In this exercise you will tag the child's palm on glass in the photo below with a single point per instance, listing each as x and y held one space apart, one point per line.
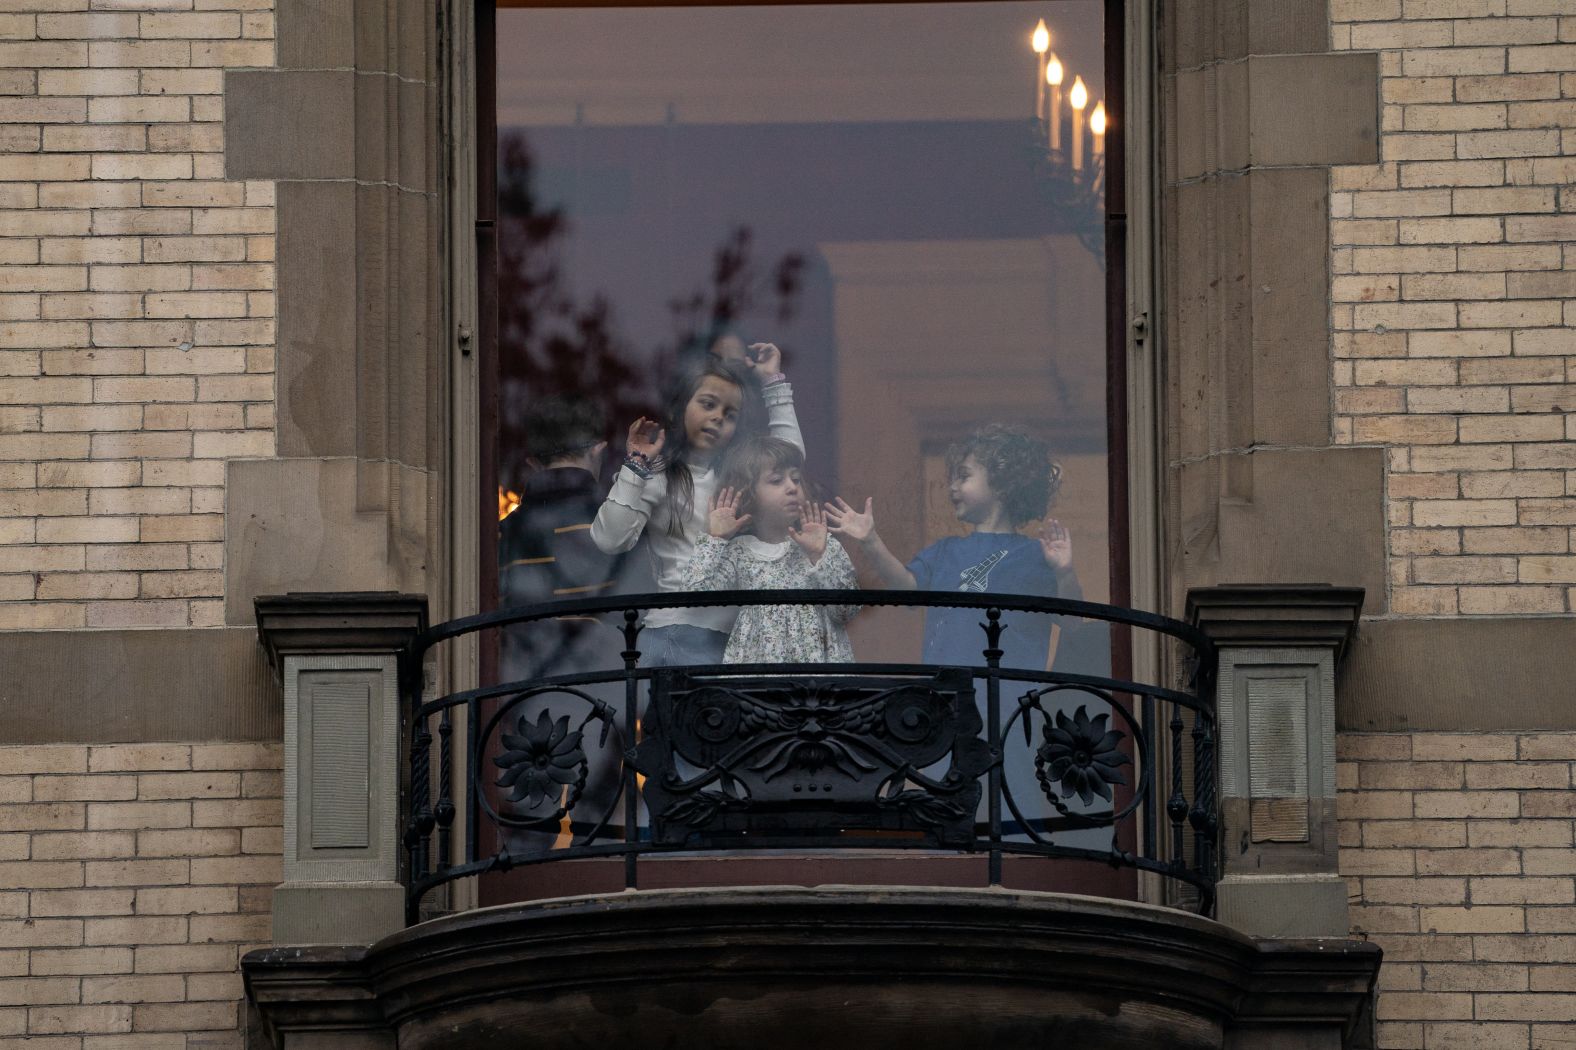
811 534
844 520
1056 543
725 521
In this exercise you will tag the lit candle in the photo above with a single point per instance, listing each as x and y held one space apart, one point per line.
1053 77
1079 99
1097 125
1041 41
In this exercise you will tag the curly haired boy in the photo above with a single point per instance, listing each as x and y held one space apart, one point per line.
1002 478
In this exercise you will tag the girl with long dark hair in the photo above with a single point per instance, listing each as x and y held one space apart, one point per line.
668 479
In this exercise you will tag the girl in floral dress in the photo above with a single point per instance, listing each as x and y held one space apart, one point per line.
667 480
786 547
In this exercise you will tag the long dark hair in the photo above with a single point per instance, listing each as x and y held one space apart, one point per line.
676 447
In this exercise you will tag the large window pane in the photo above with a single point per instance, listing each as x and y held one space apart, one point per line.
867 188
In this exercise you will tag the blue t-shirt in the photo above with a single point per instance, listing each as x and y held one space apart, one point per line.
985 562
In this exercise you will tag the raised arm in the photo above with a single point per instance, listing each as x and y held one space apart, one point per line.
624 514
781 420
855 526
636 492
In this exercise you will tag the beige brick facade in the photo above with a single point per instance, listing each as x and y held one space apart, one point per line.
136 308
132 878
137 356
1457 849
1454 299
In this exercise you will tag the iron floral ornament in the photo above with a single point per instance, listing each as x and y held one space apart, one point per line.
811 756
541 760
1083 755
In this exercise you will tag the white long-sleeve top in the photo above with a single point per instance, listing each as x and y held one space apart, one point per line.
636 502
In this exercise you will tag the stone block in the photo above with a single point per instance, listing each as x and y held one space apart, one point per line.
1314 109
1288 27
1289 292
1284 906
318 264
313 34
1297 522
1427 675
290 124
295 525
349 913
211 685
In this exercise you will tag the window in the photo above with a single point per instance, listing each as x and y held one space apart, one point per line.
896 196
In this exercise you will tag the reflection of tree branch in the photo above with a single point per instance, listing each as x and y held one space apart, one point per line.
548 342
551 342
737 287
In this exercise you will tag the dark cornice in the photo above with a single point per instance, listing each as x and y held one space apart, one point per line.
338 623
1313 614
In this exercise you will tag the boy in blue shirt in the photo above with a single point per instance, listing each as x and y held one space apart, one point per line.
1002 478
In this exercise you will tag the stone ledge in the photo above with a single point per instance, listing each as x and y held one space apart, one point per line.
830 966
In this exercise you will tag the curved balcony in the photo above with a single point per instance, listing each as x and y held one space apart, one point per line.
630 762
837 968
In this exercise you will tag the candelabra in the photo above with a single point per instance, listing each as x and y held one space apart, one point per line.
1067 148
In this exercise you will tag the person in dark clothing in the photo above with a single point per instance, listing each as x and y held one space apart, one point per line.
544 547
545 554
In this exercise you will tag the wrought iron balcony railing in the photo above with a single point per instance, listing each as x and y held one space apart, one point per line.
999 761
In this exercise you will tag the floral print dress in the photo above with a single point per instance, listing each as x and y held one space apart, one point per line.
777 633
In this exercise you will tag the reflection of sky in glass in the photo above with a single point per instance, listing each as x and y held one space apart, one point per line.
892 147
661 130
774 64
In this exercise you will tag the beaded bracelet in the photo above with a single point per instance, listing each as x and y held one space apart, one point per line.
774 379
639 462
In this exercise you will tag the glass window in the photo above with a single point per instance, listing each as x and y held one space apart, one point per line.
896 209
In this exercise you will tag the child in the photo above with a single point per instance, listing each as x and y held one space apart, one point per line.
1002 478
714 402
786 547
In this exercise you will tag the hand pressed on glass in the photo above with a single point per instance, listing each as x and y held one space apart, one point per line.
1056 543
811 532
844 521
859 527
725 521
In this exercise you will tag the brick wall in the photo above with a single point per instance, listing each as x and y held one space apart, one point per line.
136 307
1455 295
132 877
1458 852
